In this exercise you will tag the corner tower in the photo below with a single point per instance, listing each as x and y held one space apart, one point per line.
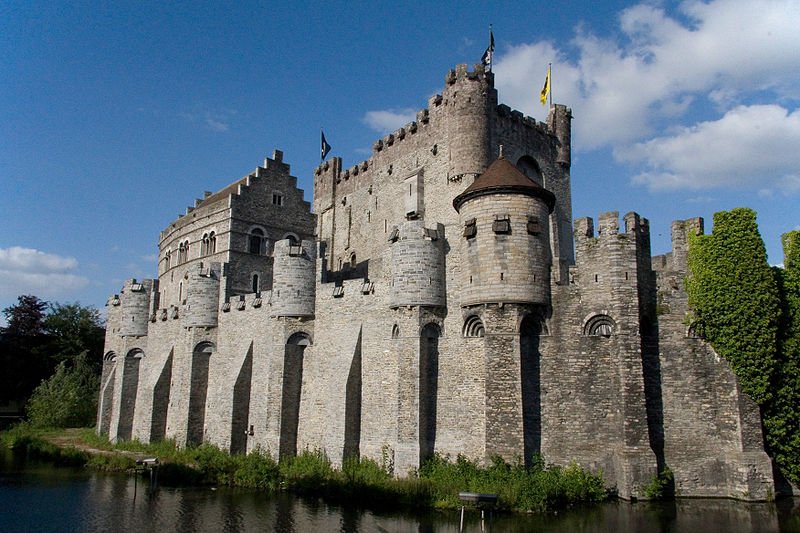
472 99
505 293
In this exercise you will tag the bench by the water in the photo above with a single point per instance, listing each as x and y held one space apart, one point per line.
481 500
149 464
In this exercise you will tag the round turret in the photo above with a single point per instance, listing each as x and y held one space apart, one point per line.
202 297
135 304
505 232
293 287
418 274
471 99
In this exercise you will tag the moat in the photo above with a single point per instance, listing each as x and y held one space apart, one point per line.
40 497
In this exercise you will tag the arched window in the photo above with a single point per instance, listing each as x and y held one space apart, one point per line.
528 166
473 327
395 331
167 258
353 261
256 284
212 243
293 240
256 242
599 326
204 244
185 250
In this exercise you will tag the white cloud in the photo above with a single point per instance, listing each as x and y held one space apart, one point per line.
216 124
29 271
214 119
622 88
749 147
388 120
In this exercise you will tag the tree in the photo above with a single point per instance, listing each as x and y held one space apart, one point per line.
23 359
39 336
26 318
74 329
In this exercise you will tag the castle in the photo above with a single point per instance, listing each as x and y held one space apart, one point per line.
438 298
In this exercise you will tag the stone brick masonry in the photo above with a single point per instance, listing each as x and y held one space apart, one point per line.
391 320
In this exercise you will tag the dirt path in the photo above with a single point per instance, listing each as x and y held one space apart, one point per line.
72 437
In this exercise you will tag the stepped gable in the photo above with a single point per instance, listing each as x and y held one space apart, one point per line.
503 177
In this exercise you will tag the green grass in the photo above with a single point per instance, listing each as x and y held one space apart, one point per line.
360 481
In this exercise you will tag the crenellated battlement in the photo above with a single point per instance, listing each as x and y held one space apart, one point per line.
130 310
454 112
520 125
608 226
676 259
462 74
254 302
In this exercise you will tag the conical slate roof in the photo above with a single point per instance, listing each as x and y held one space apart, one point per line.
503 177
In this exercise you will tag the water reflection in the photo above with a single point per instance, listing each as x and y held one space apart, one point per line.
37 497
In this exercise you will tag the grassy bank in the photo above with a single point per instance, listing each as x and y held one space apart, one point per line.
365 482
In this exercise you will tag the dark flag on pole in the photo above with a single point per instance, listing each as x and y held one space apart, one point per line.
487 55
324 147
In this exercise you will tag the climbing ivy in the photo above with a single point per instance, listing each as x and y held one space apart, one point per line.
734 298
782 415
750 313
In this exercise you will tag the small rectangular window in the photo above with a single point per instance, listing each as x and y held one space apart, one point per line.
277 199
470 228
502 225
534 228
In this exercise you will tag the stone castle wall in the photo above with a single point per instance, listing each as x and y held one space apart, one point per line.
379 326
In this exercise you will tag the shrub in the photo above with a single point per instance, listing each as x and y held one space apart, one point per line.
256 470
68 398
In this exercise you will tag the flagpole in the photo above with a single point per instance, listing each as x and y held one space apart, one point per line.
491 44
550 76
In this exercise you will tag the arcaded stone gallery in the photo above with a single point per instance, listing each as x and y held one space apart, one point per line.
436 298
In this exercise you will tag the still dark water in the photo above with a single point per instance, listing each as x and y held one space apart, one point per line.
37 497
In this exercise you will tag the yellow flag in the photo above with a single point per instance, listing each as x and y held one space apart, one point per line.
546 89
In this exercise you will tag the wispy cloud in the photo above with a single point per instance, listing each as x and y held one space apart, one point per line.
29 271
388 120
218 120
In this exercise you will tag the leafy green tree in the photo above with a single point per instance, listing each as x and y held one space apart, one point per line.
39 336
74 329
68 398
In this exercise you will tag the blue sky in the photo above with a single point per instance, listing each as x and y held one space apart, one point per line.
114 117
